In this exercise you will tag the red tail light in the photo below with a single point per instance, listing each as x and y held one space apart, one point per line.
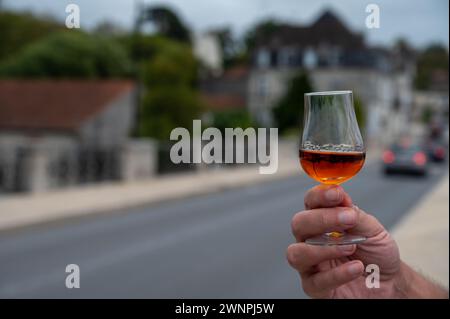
420 158
388 157
439 152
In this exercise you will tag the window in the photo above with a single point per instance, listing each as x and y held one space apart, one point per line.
310 59
263 58
262 86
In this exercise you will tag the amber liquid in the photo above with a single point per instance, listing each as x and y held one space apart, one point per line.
328 167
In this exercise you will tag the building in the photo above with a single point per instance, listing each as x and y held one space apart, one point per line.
207 49
68 132
336 58
227 91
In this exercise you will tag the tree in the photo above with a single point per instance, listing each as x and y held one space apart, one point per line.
288 113
20 29
232 118
109 28
427 114
165 108
69 54
168 63
233 52
260 31
433 58
170 99
360 113
167 23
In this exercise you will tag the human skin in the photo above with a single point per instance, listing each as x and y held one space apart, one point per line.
339 271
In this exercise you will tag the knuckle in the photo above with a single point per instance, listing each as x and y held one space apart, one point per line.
336 277
295 222
307 199
324 220
313 284
307 285
311 196
290 255
357 211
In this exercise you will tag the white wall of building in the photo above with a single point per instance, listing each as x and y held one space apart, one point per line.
386 97
111 127
207 49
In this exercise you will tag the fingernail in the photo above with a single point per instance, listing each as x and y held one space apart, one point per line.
346 248
354 269
346 217
332 195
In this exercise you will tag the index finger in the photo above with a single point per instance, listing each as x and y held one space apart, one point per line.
323 196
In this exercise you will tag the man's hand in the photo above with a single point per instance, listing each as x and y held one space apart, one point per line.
339 271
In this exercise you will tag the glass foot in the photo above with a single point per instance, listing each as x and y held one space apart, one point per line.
329 240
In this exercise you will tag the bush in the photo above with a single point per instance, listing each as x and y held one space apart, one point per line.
69 54
170 63
288 113
233 118
165 108
170 99
360 113
20 29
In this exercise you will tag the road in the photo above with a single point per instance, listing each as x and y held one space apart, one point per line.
224 245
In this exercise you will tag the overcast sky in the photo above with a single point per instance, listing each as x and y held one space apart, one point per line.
420 21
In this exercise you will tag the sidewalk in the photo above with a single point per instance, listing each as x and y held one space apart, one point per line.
423 235
25 209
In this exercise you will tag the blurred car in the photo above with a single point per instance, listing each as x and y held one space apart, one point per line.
436 150
406 159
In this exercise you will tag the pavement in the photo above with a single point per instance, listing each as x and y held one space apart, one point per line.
423 235
227 244
22 210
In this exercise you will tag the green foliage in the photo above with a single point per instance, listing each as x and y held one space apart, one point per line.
172 63
433 58
288 113
21 29
360 112
165 108
427 114
232 50
69 54
170 100
260 31
166 21
233 118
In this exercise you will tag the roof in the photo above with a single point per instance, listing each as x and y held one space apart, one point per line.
55 104
327 29
439 80
220 102
236 72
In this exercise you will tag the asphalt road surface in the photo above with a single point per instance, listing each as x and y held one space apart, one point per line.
224 245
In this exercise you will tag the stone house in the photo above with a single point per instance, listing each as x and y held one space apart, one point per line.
67 132
336 58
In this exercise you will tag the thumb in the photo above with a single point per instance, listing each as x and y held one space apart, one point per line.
366 225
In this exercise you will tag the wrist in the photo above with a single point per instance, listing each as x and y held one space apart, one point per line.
403 282
410 284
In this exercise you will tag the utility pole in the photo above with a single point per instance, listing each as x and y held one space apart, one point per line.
138 7
141 16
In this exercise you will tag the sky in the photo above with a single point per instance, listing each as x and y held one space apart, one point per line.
421 22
